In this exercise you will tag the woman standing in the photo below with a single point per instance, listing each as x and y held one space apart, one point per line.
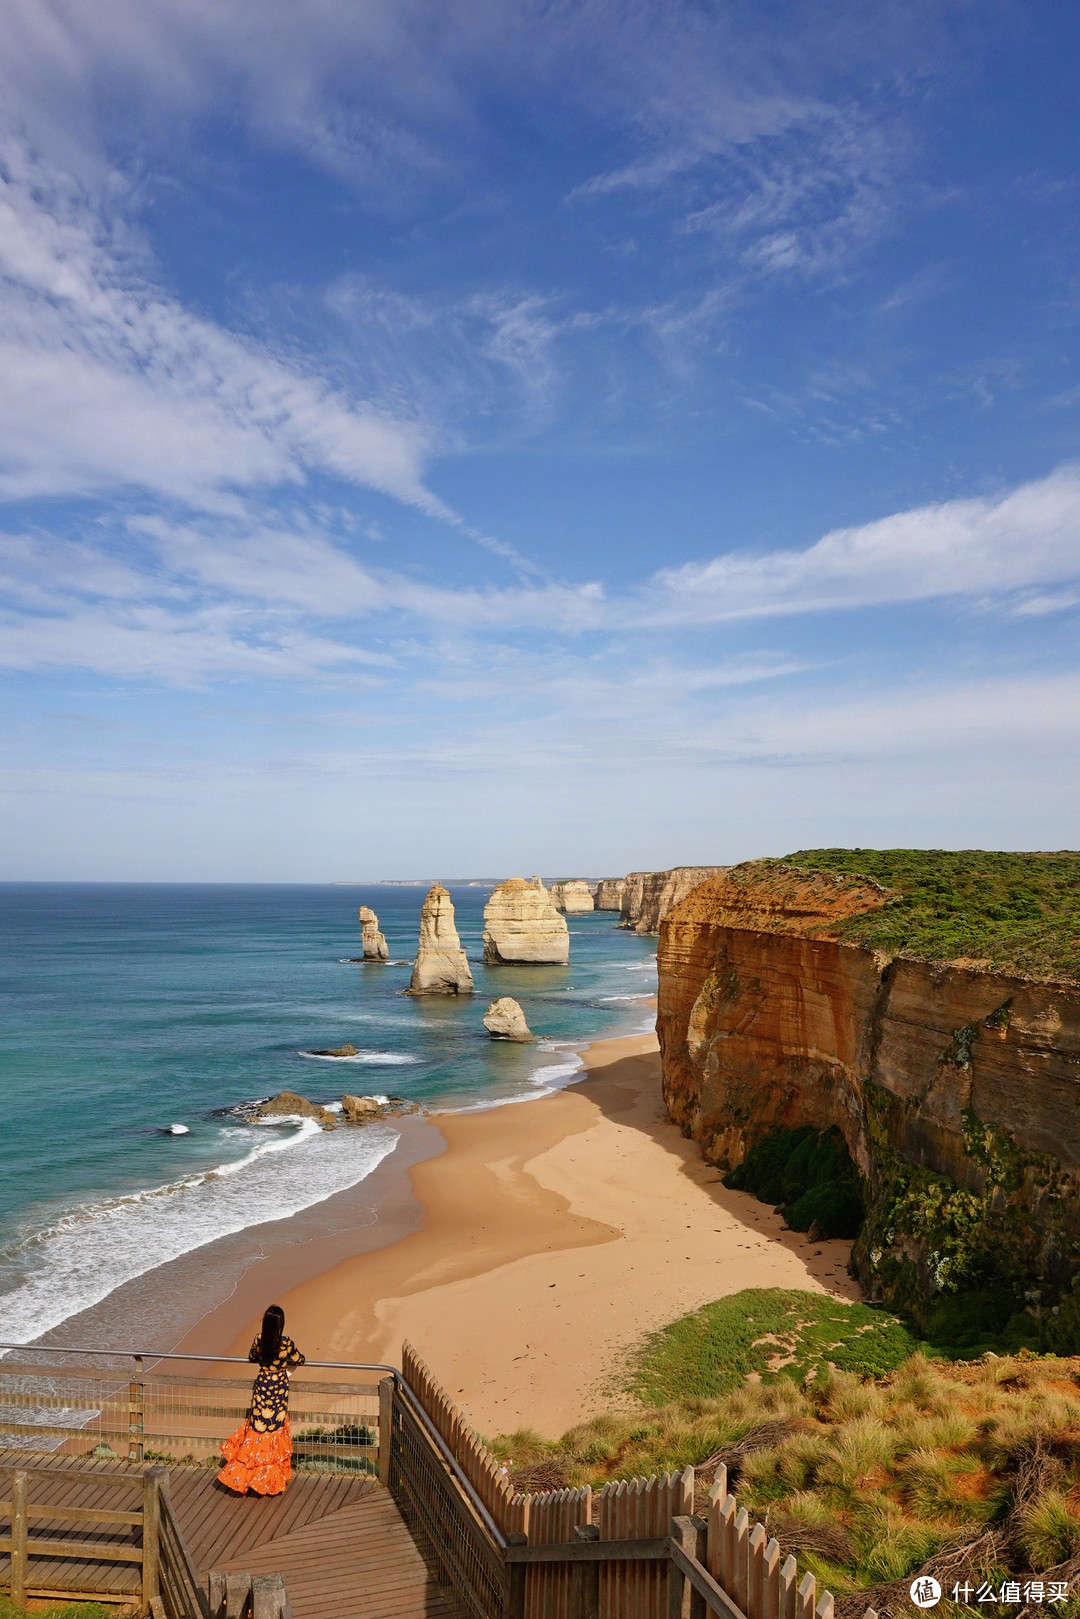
257 1455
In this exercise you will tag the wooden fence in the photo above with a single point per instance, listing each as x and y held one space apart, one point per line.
632 1550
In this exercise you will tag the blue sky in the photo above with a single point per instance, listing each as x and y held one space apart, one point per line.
486 437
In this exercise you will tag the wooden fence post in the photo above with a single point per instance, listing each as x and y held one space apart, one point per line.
18 1538
755 1581
684 1533
151 1533
584 1594
807 1595
237 1596
789 1596
515 1578
267 1596
386 1420
742 1550
770 1590
135 1413
215 1593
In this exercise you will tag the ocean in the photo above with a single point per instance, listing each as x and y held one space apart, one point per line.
134 1015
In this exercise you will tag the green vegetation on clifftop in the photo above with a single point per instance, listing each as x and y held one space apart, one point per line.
1017 911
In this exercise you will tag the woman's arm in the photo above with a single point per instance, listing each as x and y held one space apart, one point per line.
295 1358
253 1352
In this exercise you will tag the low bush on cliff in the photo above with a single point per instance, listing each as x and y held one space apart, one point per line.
973 1469
1010 910
809 1174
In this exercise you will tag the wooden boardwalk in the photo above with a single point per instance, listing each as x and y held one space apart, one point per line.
338 1540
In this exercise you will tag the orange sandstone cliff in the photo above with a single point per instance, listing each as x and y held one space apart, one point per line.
957 1090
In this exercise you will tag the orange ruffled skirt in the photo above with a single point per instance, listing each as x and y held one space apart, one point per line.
257 1461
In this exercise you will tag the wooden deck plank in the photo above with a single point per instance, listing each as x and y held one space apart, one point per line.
338 1540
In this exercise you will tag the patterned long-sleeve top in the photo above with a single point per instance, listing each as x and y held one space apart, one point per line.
270 1394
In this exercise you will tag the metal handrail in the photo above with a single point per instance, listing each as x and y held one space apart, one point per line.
447 1454
229 1360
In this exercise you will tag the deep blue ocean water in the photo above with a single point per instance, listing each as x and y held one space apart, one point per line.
127 1008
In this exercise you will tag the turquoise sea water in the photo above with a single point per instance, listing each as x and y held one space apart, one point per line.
127 1009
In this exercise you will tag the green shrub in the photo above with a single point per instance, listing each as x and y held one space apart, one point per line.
809 1174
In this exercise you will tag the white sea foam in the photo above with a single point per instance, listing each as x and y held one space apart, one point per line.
622 997
640 966
87 1252
389 1059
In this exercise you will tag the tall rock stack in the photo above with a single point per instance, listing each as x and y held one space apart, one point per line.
608 894
574 897
372 941
440 967
521 925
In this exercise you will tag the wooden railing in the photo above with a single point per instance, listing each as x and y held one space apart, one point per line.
632 1550
120 1544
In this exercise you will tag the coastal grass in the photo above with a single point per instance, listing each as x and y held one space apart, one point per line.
1011 911
862 1454
767 1332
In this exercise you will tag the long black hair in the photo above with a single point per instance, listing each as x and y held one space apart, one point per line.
273 1330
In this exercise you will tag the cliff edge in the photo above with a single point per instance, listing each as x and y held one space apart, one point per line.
792 998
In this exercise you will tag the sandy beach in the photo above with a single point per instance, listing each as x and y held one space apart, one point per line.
550 1235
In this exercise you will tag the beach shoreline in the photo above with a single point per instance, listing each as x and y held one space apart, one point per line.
521 1248
554 1234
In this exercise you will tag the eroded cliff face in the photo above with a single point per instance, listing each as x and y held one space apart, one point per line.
648 896
956 1089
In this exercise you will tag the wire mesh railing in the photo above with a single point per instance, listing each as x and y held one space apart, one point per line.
140 1412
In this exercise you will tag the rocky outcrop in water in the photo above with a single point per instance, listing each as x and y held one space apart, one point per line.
372 941
288 1104
608 894
574 897
956 1088
440 967
504 1020
368 1109
522 926
648 896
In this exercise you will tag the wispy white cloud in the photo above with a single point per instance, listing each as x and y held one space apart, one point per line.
112 384
982 548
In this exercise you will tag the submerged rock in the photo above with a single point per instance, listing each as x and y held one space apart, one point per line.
504 1020
288 1104
521 925
440 967
373 942
575 896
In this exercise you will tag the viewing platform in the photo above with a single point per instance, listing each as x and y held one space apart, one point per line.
396 1510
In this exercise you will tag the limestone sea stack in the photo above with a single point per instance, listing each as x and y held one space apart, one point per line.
574 897
372 941
521 925
608 894
440 967
504 1020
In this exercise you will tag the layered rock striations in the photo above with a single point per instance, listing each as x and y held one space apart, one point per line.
956 1088
522 926
648 896
504 1020
574 897
608 894
372 941
440 967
